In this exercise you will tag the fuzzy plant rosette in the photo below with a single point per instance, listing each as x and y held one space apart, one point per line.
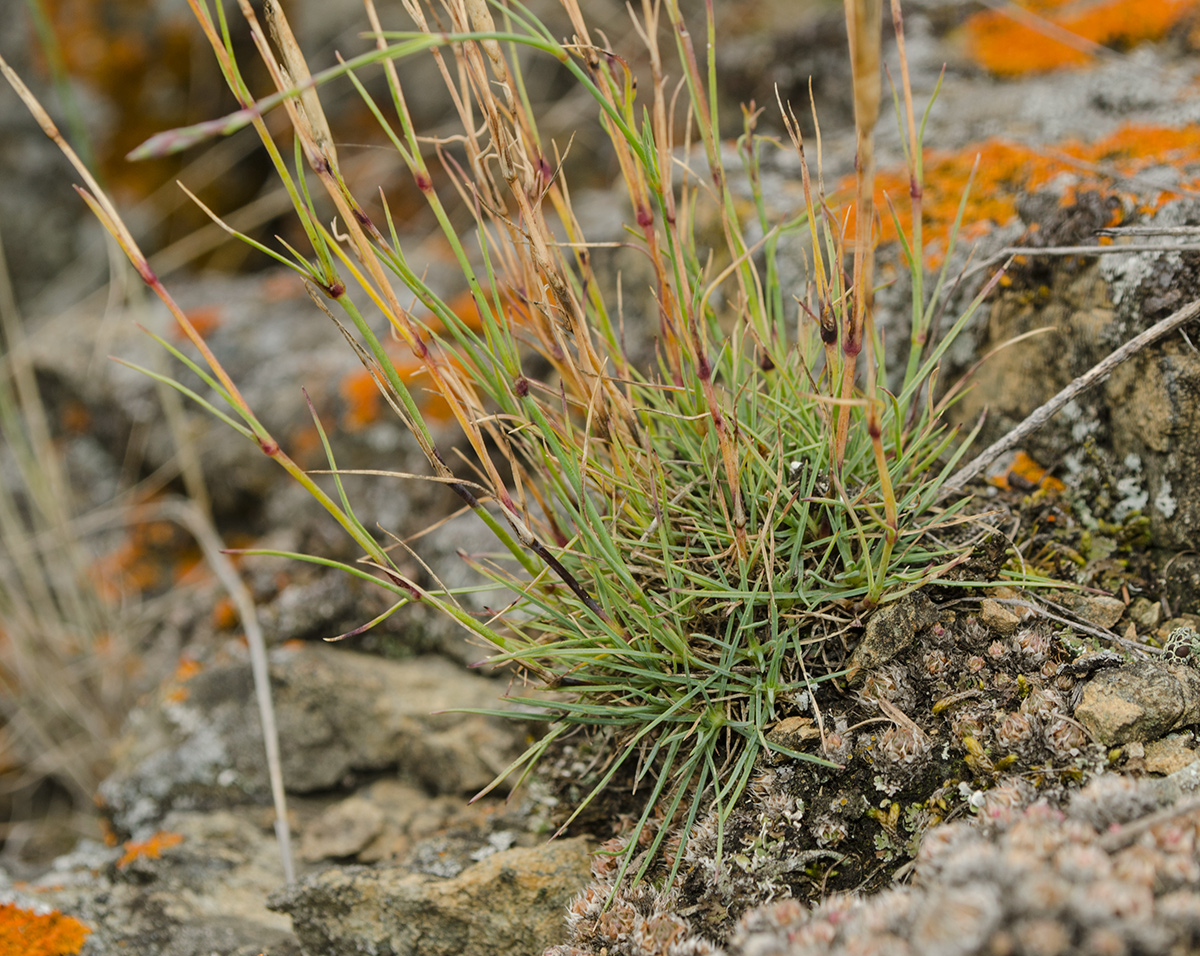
690 547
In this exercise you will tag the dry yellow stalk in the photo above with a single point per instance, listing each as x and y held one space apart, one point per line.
295 68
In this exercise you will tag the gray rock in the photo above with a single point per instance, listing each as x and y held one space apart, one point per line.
338 712
512 903
271 344
891 631
343 830
1139 702
1098 609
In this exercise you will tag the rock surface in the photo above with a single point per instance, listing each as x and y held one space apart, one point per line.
1144 416
195 875
339 714
509 904
890 632
1139 702
345 829
1101 877
198 887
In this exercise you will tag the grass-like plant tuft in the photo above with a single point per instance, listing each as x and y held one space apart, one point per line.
689 547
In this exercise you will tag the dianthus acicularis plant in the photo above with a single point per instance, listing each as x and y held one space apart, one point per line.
680 542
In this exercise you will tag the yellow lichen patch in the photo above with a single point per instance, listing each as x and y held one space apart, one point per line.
1007 44
148 849
1006 170
25 933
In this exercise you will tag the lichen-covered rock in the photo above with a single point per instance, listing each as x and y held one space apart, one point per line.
1127 445
961 718
339 713
1139 702
1113 871
198 888
509 904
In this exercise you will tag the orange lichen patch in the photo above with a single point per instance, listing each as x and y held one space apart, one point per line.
75 418
1007 44
137 55
364 402
205 320
106 830
434 408
25 933
1006 170
150 849
464 307
186 564
1025 474
185 670
516 311
224 614
304 445
155 555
